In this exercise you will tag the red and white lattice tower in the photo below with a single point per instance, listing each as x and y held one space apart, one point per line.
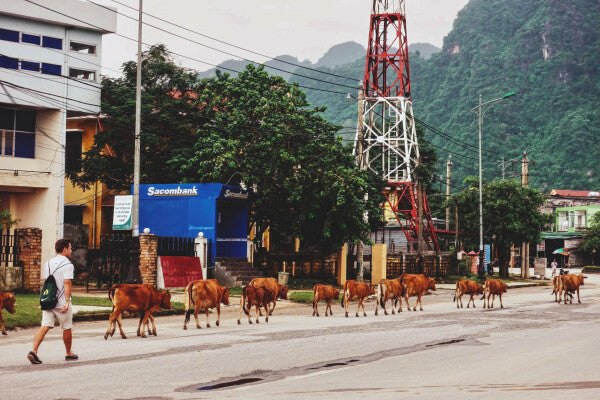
386 140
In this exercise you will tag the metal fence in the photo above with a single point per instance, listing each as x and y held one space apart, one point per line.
116 261
9 250
176 246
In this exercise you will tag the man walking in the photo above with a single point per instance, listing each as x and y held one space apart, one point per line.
553 265
62 270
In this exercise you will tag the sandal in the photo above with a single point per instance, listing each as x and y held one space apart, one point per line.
33 358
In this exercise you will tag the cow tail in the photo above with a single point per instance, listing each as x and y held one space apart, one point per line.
456 291
484 289
380 299
314 296
344 292
111 295
188 301
244 300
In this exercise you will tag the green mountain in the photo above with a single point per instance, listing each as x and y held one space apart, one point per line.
273 66
547 51
341 54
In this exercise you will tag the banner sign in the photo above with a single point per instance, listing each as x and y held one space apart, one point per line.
122 213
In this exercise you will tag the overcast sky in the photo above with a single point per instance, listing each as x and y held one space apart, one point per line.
305 29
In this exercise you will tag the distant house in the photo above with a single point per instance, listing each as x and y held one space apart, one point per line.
573 211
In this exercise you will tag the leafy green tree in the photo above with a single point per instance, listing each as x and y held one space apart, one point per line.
511 214
7 221
308 183
591 237
169 117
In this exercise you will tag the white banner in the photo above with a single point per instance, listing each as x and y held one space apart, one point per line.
122 213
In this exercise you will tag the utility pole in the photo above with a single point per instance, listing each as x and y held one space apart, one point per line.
525 245
456 228
448 165
360 160
420 227
135 212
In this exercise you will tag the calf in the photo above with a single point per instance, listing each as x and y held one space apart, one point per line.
466 287
324 293
389 289
204 294
258 297
7 302
143 299
271 284
356 290
493 287
557 283
570 284
416 285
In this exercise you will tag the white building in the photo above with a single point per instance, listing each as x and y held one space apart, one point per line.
50 57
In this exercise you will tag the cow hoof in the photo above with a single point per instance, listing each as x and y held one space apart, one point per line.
346 315
474 306
378 314
4 333
217 323
139 334
154 333
124 337
106 336
207 325
356 315
365 314
239 322
257 321
185 328
415 309
271 312
250 322
501 306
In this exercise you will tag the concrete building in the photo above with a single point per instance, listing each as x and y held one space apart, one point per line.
572 211
50 57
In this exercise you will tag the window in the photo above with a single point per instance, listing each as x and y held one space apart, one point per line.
82 74
52 42
7 34
82 48
30 66
17 133
51 69
10 63
73 152
31 39
74 215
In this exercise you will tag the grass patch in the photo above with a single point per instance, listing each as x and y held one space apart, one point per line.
29 313
301 297
308 283
591 268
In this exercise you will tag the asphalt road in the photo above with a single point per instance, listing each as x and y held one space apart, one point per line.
533 348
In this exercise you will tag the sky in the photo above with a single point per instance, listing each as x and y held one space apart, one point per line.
305 29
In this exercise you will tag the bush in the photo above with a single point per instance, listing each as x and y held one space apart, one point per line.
464 267
591 268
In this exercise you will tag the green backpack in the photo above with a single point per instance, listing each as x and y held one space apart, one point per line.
49 294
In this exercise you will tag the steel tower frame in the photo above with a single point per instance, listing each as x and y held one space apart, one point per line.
386 138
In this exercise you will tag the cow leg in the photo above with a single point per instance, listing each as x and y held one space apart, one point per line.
120 328
218 314
358 306
330 310
240 310
207 312
578 299
2 323
196 312
500 297
259 313
493 298
316 307
267 312
140 325
144 322
346 300
363 306
420 301
272 308
151 318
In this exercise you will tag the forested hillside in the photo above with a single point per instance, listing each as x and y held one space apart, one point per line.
547 51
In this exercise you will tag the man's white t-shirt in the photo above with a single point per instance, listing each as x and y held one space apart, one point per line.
62 269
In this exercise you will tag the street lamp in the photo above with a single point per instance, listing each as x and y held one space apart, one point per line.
480 115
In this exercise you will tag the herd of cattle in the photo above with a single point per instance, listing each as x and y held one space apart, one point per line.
262 293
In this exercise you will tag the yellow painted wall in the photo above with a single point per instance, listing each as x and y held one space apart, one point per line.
378 262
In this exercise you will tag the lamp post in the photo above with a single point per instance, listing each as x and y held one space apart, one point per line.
480 114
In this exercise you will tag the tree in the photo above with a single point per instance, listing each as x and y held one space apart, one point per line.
511 214
591 237
309 185
169 116
7 221
255 128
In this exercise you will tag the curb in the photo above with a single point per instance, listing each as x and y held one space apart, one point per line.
101 316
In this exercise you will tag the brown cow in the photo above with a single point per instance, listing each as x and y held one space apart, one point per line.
416 285
326 293
204 294
466 287
356 290
7 302
258 297
389 289
135 298
557 284
570 284
493 287
271 284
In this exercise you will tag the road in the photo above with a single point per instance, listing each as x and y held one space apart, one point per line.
533 348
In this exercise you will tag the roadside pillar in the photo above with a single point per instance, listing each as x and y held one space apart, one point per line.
342 261
378 262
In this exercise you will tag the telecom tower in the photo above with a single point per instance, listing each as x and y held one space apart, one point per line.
386 138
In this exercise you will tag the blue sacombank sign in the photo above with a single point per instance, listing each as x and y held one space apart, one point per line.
219 211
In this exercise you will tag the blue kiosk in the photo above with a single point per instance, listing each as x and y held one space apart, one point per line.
183 210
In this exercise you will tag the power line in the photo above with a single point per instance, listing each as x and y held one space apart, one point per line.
229 44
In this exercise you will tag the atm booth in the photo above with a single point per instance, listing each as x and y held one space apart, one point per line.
219 211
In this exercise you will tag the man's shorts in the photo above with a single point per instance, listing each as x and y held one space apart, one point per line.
64 320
